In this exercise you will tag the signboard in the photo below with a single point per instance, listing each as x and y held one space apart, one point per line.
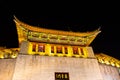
61 76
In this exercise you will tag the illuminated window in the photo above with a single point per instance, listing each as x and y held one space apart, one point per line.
41 48
34 47
75 50
66 50
81 50
52 49
59 49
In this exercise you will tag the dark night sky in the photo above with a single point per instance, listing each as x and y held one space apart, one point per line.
64 18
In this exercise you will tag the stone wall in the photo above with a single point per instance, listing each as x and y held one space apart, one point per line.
33 67
109 72
7 68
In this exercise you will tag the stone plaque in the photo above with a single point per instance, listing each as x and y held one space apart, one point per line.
61 76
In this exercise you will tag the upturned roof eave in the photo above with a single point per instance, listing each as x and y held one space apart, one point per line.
51 31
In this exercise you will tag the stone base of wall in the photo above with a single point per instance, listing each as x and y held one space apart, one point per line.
109 72
33 67
7 67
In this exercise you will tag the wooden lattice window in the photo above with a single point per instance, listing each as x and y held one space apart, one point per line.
81 50
52 49
34 47
41 48
66 50
59 49
75 50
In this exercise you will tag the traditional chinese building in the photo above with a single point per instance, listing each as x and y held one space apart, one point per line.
47 54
